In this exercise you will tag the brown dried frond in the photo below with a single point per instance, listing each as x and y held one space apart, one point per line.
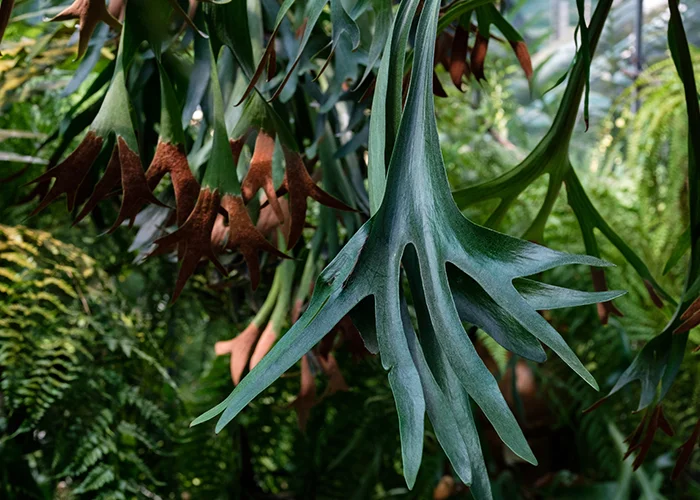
653 295
299 184
478 56
268 224
135 190
657 420
195 236
70 173
458 59
443 49
104 188
124 169
89 13
236 147
265 342
523 55
171 158
259 174
239 348
691 317
219 235
633 439
244 237
686 451
116 8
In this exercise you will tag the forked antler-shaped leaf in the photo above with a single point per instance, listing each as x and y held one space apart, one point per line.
170 157
486 16
418 215
259 116
551 157
657 365
221 191
111 139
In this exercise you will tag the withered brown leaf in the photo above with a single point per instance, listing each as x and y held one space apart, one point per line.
239 348
195 236
244 237
300 186
259 174
89 13
70 173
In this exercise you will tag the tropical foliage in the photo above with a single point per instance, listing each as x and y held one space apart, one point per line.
359 281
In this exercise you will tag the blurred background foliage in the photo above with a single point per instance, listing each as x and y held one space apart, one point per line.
99 381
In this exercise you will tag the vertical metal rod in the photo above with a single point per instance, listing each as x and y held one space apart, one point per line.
563 18
554 13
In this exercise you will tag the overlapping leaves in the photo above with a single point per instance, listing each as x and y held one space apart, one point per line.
657 366
112 151
551 157
443 254
457 271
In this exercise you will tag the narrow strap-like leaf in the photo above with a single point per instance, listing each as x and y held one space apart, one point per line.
438 407
221 171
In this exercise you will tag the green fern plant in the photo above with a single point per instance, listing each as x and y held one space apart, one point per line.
44 322
72 372
653 140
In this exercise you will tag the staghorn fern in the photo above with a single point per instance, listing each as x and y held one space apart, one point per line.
456 271
104 478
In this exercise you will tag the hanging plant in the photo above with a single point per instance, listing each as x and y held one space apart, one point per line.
303 138
418 221
110 136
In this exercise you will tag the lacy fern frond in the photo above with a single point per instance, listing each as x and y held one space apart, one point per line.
64 334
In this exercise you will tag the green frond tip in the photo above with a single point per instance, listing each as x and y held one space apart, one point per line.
209 414
542 296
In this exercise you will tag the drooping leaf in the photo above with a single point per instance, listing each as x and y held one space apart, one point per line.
89 14
269 53
551 157
490 14
88 63
382 27
313 11
419 213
